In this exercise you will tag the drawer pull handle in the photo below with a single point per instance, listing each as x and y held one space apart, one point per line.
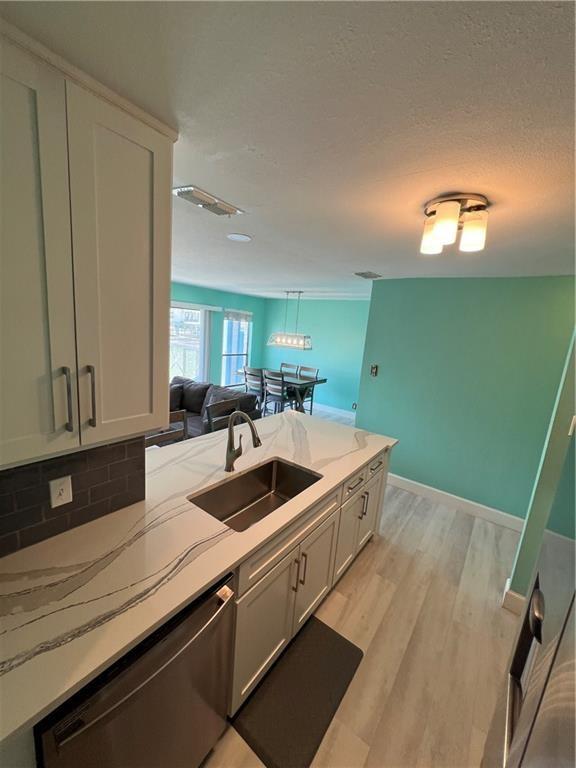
376 466
305 561
355 485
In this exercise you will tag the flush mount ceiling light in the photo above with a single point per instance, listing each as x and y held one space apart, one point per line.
237 237
293 340
449 214
205 200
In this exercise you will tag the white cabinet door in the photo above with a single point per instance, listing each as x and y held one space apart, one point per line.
264 618
367 523
120 180
316 565
38 412
350 515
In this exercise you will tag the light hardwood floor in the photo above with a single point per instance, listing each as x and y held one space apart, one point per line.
423 602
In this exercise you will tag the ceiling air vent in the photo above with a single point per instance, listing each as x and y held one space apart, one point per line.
205 200
368 275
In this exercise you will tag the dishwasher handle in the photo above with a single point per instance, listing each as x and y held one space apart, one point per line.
74 726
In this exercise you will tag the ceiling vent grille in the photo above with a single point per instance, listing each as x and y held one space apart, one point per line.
368 275
205 200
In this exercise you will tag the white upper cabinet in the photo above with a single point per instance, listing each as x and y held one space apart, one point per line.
38 402
85 218
120 179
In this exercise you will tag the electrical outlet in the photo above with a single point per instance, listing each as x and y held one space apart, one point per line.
60 491
354 406
373 370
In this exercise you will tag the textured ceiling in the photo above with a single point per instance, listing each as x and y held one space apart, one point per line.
331 124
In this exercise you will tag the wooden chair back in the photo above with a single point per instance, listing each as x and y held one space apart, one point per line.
254 380
308 373
217 413
274 383
289 369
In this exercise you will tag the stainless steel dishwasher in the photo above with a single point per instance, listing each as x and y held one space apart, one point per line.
162 706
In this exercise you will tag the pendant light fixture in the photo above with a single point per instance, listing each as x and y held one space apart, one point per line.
450 214
292 340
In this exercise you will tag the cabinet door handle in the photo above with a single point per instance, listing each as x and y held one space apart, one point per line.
536 614
355 485
305 562
376 466
297 564
92 373
364 503
69 426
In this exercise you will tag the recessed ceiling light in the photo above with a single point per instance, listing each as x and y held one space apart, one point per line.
237 237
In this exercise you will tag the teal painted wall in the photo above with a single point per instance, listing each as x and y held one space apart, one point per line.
198 295
469 370
338 330
563 513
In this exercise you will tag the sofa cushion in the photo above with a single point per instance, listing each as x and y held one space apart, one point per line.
216 394
176 391
193 393
195 425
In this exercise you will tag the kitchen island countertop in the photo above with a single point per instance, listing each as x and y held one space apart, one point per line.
75 603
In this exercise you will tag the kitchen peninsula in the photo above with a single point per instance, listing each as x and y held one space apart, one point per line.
74 604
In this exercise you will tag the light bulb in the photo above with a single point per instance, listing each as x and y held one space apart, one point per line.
446 222
429 244
473 237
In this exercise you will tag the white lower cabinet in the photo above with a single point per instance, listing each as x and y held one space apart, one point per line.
350 515
272 612
315 569
372 501
264 620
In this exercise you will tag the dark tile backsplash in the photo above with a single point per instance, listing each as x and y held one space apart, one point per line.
104 479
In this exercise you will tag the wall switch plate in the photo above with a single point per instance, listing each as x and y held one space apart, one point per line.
60 491
373 370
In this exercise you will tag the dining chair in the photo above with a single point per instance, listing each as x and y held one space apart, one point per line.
217 413
172 434
308 373
289 369
254 382
276 391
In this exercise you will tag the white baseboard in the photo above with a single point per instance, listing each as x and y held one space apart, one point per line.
450 500
334 410
512 601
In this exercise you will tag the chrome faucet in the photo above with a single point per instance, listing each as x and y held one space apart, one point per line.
233 453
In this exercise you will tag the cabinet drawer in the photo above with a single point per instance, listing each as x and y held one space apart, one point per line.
377 464
354 483
265 558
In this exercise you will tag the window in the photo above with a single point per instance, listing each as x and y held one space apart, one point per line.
188 341
235 345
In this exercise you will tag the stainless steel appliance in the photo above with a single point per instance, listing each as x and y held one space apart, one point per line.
533 725
162 706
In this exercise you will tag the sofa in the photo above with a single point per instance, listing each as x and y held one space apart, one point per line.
192 397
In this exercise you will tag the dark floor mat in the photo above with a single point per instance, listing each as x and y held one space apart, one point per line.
286 717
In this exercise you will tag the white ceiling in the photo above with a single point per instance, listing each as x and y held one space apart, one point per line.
331 124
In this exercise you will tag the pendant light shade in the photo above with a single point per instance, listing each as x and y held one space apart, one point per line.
429 245
449 214
446 222
291 340
473 237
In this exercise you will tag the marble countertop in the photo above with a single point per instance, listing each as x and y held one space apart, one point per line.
72 605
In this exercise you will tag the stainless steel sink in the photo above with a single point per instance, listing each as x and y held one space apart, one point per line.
251 496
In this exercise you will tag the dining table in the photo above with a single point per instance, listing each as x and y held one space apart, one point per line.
301 386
